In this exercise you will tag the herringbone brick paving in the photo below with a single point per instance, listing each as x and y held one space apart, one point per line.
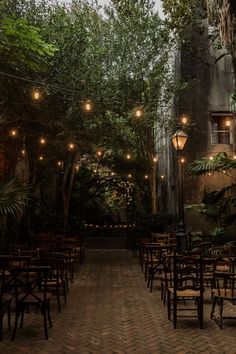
110 311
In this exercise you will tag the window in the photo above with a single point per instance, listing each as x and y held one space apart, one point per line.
221 128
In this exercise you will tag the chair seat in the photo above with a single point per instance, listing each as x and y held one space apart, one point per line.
224 293
54 282
186 292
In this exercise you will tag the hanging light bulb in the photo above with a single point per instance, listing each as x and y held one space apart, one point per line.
138 112
182 160
23 152
59 163
88 106
184 119
71 146
99 153
36 94
41 157
128 156
162 177
13 132
211 158
227 122
129 175
234 157
146 176
42 141
155 159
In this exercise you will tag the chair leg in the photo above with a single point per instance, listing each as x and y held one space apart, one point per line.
213 307
45 320
175 313
221 313
9 316
1 325
16 324
49 315
58 300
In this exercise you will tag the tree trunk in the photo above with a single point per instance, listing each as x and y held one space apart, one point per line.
68 180
153 187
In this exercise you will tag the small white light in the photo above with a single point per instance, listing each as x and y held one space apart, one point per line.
42 141
71 146
128 156
13 132
211 157
138 113
162 177
184 120
182 160
41 157
88 106
129 175
146 176
227 122
154 159
99 152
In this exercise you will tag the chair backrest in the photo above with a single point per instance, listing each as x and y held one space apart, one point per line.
225 284
188 273
29 281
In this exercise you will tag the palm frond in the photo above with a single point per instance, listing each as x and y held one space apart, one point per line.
220 162
13 196
203 209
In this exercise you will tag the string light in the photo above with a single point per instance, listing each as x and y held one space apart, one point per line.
129 175
128 156
138 112
227 122
184 119
36 94
234 157
13 132
113 174
162 177
146 176
211 158
59 163
41 157
77 167
209 173
155 159
88 106
23 152
182 160
71 146
99 153
42 141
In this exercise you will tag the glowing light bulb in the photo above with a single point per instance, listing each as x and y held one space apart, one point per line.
42 141
182 160
234 157
146 176
113 174
13 132
77 167
154 159
99 153
59 163
71 146
211 157
87 106
41 157
128 156
227 122
184 120
162 176
209 173
23 152
36 94
129 175
138 113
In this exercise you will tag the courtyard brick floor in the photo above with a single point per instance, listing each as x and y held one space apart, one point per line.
110 311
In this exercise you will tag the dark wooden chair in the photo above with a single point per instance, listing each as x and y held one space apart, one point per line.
31 291
5 298
185 291
224 288
57 280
